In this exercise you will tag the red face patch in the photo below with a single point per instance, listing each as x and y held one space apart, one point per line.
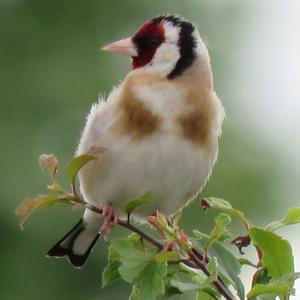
147 40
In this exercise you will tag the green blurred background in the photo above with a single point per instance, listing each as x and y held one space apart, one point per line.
51 72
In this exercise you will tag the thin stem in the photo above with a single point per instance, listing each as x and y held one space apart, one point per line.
205 259
259 255
74 190
129 217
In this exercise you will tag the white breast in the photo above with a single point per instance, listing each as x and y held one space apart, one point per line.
164 163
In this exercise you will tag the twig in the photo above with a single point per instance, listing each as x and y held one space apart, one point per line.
143 234
205 259
218 284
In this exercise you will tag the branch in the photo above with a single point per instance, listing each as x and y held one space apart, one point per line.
141 233
218 283
195 258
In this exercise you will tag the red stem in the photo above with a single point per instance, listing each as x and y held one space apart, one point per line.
218 283
141 233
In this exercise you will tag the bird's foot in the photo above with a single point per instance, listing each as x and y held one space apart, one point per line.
110 219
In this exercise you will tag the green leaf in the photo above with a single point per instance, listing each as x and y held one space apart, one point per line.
203 236
173 269
280 287
171 291
193 272
132 256
110 273
165 256
245 261
29 205
183 287
277 252
203 283
150 283
51 199
113 255
218 203
227 261
133 261
55 188
270 288
206 295
225 237
134 203
292 217
222 221
200 235
139 267
76 164
225 207
261 276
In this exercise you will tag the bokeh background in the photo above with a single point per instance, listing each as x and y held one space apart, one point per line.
51 72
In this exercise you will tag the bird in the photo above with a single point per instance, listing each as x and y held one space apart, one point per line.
157 131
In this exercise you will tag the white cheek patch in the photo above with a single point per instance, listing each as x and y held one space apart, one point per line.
165 59
166 53
171 33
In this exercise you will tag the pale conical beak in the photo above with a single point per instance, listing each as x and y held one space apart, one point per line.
124 46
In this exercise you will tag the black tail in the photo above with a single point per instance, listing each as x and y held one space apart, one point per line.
76 244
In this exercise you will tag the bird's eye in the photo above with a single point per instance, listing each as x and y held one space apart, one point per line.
153 42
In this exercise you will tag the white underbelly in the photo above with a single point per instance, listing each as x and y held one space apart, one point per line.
172 168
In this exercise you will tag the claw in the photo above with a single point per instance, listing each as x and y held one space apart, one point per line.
110 219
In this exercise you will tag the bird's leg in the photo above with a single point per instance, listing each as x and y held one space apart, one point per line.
110 219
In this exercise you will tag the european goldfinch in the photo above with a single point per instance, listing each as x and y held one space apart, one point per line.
156 132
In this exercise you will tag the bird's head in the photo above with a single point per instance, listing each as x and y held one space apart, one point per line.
167 45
